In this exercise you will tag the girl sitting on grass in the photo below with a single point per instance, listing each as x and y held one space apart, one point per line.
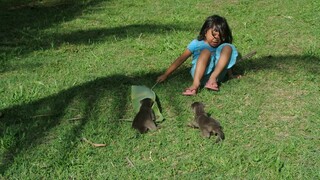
212 56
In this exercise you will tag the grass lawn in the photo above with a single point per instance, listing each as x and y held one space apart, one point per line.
66 69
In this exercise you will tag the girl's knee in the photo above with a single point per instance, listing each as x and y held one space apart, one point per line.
205 56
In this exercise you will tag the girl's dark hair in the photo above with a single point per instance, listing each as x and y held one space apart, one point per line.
219 24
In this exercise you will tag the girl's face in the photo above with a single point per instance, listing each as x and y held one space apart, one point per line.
213 38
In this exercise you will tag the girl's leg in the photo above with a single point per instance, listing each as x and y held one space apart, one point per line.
220 66
201 66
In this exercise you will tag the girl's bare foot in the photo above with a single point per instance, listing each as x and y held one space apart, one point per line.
213 85
191 91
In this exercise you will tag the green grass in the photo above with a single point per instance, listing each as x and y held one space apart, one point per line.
66 68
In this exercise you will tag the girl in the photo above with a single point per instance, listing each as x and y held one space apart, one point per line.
212 55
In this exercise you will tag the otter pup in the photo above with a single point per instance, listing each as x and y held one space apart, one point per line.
206 124
144 120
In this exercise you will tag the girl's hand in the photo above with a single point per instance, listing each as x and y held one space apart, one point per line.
181 59
162 78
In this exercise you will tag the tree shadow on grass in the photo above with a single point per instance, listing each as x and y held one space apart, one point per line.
285 64
86 37
26 23
23 31
22 26
30 123
115 33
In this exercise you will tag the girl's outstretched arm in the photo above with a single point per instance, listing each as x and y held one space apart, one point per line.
181 59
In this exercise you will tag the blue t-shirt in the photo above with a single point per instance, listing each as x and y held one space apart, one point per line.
196 47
